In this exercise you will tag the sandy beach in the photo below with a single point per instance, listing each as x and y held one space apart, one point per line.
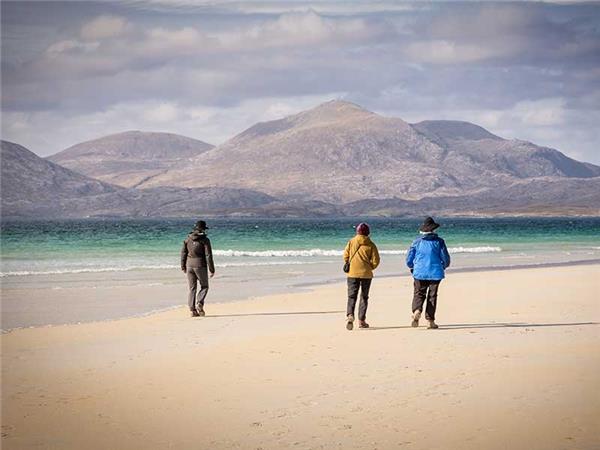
515 365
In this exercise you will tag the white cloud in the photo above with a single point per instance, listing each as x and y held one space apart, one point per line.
447 52
547 112
103 27
163 113
69 46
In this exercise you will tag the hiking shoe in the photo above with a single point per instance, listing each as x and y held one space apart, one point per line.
432 325
362 324
194 313
349 322
201 312
416 316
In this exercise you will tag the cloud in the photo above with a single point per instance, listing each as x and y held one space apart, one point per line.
103 27
79 70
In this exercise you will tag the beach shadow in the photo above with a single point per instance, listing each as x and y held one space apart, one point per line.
471 326
297 313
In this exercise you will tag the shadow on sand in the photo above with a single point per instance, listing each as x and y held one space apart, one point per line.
297 313
469 326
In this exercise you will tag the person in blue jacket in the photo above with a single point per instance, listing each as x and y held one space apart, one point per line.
427 260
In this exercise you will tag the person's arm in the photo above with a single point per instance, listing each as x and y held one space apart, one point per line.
184 254
445 255
375 257
347 252
410 256
209 257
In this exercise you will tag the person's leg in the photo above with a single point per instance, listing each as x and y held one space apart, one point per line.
420 290
353 286
432 302
191 276
365 286
202 274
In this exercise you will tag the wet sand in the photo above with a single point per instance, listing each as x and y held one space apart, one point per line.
514 365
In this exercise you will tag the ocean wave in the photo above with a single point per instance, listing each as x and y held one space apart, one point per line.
315 252
17 273
278 253
85 270
484 249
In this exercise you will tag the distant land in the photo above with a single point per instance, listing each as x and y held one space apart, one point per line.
131 158
337 159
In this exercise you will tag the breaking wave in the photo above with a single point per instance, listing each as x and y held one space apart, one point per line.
315 252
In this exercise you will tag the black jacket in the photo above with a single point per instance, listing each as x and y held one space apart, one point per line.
197 252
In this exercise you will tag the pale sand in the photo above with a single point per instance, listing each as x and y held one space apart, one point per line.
516 365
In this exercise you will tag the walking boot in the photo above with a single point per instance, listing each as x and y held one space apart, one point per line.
194 313
415 319
349 322
432 325
362 324
201 312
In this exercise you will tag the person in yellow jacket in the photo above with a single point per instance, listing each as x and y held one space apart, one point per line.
363 256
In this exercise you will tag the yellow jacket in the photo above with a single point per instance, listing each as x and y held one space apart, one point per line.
365 259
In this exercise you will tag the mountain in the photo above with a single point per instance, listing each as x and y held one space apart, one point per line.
36 188
29 180
130 158
474 147
339 152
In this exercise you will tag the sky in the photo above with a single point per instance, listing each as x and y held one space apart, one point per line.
74 71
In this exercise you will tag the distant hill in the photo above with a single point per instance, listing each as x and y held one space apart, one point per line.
33 187
339 152
130 158
470 147
28 180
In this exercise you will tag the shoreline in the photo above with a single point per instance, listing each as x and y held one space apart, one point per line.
307 287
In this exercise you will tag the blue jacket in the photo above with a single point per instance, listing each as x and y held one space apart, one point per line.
428 257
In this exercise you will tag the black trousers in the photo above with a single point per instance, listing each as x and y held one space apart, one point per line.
426 290
354 285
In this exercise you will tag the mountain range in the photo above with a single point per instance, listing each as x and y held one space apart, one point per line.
335 159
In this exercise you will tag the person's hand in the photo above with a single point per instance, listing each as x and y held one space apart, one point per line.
183 269
212 274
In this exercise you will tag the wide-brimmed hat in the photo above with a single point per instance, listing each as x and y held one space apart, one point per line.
428 225
201 225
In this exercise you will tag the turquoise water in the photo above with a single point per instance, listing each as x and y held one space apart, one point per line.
73 246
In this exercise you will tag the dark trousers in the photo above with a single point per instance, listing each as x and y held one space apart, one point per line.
196 298
354 284
426 290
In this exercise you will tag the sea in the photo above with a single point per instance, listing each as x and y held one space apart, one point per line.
72 271
119 245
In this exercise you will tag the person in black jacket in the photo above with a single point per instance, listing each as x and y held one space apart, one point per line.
196 262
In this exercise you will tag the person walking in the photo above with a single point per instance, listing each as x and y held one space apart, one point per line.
427 259
196 262
361 257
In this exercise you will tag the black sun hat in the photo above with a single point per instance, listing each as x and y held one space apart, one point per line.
429 225
201 225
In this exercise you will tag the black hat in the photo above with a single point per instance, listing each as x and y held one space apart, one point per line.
429 225
201 225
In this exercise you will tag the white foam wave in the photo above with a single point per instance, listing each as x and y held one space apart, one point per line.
127 269
85 270
315 252
278 253
484 249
